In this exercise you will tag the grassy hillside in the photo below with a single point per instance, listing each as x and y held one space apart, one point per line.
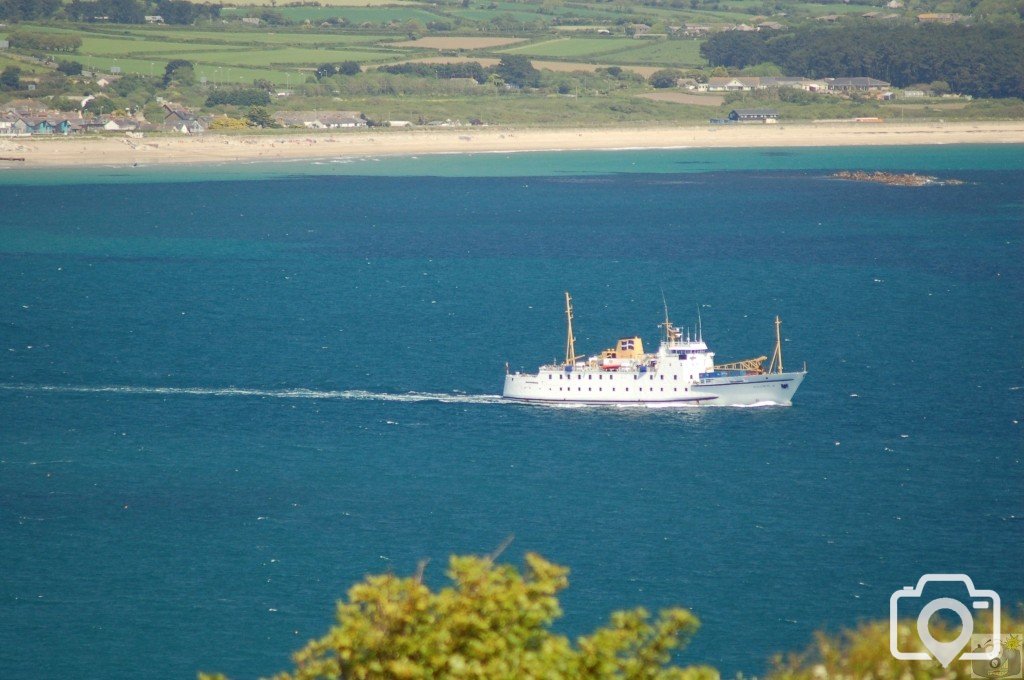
594 68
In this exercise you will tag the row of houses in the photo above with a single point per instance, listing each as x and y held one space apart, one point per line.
875 16
176 119
36 121
750 83
320 120
180 119
56 123
926 18
771 116
763 26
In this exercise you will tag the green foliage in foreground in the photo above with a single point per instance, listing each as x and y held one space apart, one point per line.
493 622
864 653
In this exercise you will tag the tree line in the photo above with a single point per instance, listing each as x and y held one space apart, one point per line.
345 68
471 69
44 42
513 69
983 60
28 10
114 11
133 12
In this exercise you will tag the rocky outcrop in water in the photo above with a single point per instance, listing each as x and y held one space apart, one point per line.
894 179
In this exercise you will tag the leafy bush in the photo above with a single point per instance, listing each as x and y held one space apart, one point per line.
325 71
493 622
259 117
518 70
228 123
666 77
863 652
178 69
69 68
349 68
131 83
10 78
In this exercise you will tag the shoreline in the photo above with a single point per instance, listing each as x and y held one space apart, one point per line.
105 151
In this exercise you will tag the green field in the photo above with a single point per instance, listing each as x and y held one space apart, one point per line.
485 15
622 51
333 3
224 56
128 47
230 37
221 56
277 66
573 48
287 57
248 38
224 74
356 15
663 52
26 68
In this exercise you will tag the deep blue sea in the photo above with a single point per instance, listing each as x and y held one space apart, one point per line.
229 393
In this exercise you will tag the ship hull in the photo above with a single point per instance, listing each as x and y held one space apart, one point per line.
747 390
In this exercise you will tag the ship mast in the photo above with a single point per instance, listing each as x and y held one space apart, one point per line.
672 333
667 324
776 364
570 340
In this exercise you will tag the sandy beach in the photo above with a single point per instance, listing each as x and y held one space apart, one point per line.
218 148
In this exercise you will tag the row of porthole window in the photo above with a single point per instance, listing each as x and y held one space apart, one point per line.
601 389
610 377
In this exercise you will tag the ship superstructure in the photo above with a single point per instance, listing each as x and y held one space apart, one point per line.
681 373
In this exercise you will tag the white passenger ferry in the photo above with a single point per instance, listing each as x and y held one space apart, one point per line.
681 373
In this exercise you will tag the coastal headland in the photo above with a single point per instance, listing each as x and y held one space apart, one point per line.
25 152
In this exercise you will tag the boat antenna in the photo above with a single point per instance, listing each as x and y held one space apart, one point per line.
570 340
700 327
776 364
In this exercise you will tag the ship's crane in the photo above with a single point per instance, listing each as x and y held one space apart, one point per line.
756 365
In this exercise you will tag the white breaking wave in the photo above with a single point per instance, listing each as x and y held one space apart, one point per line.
647 405
293 393
759 404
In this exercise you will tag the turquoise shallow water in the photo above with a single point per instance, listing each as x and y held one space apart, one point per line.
227 394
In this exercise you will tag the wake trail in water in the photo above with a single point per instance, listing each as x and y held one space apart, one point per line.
350 395
293 393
